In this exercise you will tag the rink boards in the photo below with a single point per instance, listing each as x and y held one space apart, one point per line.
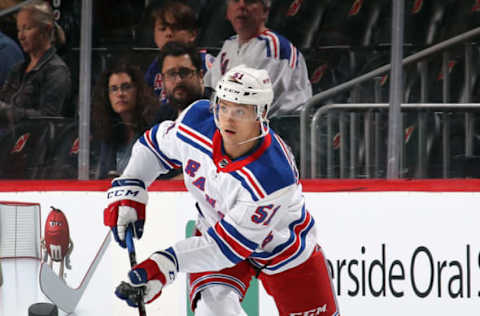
411 248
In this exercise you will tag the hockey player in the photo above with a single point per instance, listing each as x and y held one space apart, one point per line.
252 217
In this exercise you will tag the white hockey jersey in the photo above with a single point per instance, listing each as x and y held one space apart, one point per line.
274 53
249 208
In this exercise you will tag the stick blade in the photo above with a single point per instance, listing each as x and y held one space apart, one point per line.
57 291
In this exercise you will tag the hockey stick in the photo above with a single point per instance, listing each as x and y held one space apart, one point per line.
59 292
133 261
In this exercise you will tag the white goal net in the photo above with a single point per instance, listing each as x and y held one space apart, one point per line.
20 231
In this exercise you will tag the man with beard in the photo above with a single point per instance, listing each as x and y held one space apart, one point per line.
172 21
182 79
182 82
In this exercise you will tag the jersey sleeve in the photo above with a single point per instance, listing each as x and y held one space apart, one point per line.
236 236
156 152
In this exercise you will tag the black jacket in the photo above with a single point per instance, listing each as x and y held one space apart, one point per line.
44 91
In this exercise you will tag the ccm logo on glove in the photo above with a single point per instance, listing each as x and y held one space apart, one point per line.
121 192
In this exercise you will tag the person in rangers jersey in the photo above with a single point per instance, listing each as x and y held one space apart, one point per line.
172 21
252 217
256 46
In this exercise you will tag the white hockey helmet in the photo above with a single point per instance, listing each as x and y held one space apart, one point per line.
250 86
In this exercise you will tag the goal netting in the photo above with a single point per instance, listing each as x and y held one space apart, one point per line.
20 230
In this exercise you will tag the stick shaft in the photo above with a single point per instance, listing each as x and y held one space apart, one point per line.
133 261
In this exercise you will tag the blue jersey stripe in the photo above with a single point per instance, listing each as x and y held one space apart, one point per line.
245 185
238 236
194 144
153 137
267 45
224 248
302 248
144 142
286 244
171 161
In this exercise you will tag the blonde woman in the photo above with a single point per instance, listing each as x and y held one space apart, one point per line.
41 85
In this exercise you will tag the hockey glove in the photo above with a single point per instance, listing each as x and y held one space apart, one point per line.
153 274
126 201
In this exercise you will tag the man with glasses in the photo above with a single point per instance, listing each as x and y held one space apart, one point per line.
258 47
182 79
172 21
182 84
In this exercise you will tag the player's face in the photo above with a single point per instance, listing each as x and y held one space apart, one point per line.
238 123
169 31
182 82
246 16
31 35
122 93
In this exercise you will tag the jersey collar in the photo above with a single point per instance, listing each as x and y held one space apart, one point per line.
225 164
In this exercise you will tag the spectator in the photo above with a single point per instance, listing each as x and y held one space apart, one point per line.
172 21
10 55
256 46
182 79
121 112
42 84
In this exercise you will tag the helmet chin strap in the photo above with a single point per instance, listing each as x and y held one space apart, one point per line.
245 141
250 139
262 134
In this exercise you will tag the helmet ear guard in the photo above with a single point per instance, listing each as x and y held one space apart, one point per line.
248 86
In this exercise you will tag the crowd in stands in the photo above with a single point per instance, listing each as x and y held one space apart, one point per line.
133 93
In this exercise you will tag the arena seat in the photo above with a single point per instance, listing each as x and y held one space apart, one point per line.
329 67
356 20
423 20
24 149
297 20
463 16
62 159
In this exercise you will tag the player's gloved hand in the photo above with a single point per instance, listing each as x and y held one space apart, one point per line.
126 201
153 274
